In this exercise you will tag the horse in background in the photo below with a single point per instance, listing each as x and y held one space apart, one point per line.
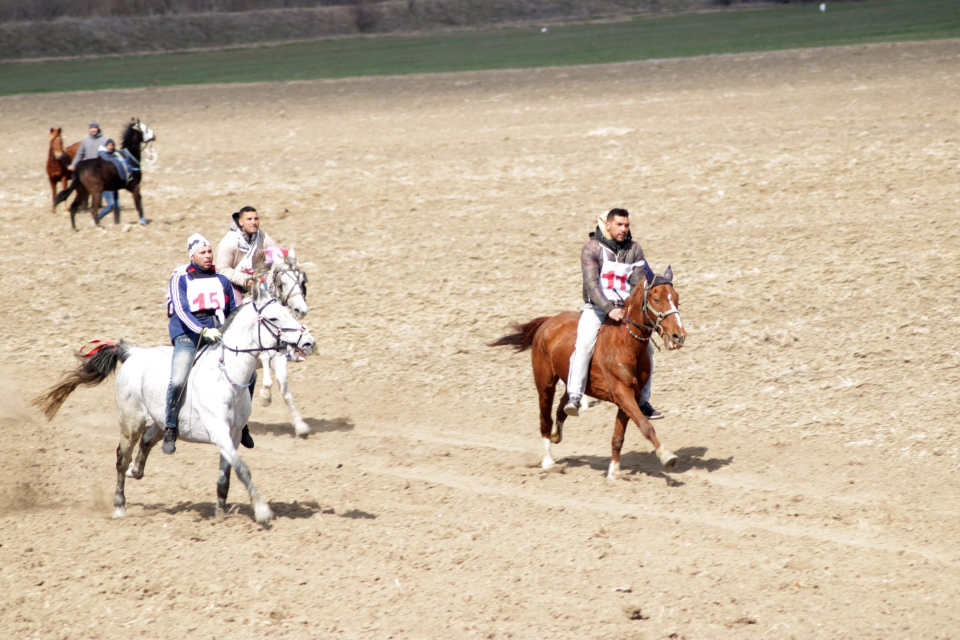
94 176
58 162
216 403
288 284
620 366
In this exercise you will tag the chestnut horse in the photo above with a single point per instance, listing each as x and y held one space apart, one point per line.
96 175
620 366
58 162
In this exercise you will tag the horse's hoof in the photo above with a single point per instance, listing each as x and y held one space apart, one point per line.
302 430
120 512
556 437
547 463
668 459
263 513
265 401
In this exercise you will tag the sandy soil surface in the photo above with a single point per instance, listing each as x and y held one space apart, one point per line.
808 203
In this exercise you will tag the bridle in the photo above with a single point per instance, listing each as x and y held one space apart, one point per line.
273 329
276 289
645 311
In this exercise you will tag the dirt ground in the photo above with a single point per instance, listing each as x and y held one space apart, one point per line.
808 202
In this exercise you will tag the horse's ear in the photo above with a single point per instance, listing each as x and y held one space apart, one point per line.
292 254
668 274
52 129
648 272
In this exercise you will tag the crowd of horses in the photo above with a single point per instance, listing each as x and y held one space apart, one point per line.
92 176
265 331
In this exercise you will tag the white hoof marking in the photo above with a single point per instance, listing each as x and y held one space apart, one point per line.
119 512
263 513
547 458
613 471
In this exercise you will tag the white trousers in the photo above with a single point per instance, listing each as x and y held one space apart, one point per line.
591 319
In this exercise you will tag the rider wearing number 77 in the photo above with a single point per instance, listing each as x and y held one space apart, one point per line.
198 301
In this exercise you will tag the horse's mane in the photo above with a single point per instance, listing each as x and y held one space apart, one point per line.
230 318
127 140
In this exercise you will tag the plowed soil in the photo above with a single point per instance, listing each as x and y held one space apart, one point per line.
808 204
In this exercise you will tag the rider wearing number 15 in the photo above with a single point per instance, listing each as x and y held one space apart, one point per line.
199 301
612 264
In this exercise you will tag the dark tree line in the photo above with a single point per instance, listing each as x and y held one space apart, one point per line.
39 10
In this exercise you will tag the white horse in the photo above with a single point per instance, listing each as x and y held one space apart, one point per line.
288 284
216 404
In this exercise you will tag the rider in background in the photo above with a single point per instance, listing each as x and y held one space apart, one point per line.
89 146
612 264
240 252
199 301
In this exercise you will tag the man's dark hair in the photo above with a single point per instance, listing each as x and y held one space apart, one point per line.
247 208
617 212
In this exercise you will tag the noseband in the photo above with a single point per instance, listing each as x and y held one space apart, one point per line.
645 311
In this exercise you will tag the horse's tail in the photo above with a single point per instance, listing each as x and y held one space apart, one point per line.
96 364
63 195
522 339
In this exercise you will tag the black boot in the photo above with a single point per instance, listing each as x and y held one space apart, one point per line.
245 438
169 439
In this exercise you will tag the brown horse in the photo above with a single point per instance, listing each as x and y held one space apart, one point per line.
94 176
620 366
58 162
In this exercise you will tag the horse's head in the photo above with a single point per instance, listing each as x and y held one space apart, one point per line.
659 309
277 322
135 136
145 131
286 282
56 141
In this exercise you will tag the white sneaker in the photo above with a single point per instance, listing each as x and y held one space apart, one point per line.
572 408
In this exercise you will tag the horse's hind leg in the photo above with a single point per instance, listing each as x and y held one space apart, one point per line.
223 487
616 444
546 388
150 438
124 455
301 427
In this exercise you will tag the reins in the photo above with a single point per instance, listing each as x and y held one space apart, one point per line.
646 309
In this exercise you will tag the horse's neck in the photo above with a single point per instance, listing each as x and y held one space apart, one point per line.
133 148
243 336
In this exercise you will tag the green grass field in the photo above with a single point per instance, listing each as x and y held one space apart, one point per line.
643 38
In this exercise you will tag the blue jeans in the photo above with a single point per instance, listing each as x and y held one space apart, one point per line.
112 204
183 352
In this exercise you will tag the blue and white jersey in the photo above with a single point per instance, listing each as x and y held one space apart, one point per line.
198 300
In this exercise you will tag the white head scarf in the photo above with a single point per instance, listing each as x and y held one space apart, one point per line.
195 243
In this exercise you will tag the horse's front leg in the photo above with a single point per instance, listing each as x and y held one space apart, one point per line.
230 458
137 203
223 487
148 441
301 427
625 398
266 397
